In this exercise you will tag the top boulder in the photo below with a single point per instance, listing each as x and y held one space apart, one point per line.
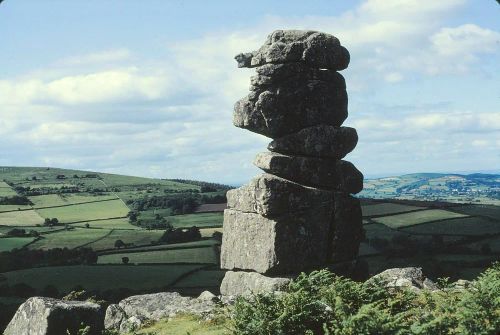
315 49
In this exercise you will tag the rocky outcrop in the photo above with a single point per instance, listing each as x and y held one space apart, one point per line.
411 278
315 49
248 283
47 316
300 214
131 313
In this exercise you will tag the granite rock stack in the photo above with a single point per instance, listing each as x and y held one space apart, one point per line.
300 214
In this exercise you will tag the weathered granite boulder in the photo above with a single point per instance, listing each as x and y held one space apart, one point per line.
292 73
272 196
346 231
410 277
287 244
287 107
47 316
314 48
311 171
132 312
245 283
317 141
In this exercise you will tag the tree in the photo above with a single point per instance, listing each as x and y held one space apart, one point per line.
217 235
125 260
119 244
87 225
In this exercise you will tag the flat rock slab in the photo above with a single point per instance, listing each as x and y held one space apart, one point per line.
317 141
314 48
347 228
241 283
272 196
314 172
132 312
287 244
291 105
47 316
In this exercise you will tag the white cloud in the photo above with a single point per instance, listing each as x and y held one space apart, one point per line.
106 56
465 41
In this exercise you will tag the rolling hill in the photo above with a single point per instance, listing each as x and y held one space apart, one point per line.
471 188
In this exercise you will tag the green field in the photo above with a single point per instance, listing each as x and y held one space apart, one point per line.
387 208
69 238
9 243
490 211
7 192
21 218
86 212
209 278
461 226
50 200
108 224
195 255
101 277
129 237
11 208
208 232
415 218
186 245
199 220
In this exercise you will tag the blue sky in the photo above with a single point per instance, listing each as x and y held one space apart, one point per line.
147 87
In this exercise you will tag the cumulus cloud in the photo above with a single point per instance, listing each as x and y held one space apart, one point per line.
171 117
106 56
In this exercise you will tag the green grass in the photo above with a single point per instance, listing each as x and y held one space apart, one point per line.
7 192
9 243
65 199
387 208
101 277
199 220
108 224
483 210
209 278
182 325
10 208
410 219
196 255
461 226
20 218
208 232
69 238
86 212
187 245
136 237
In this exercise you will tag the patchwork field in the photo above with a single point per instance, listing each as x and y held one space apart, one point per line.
70 239
129 237
387 208
195 255
461 226
12 208
415 218
21 218
53 200
7 244
86 212
102 277
199 220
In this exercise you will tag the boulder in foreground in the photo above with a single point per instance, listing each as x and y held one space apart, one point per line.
47 316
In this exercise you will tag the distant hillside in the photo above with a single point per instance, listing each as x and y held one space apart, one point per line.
478 188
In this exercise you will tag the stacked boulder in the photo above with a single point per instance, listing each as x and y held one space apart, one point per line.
300 214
